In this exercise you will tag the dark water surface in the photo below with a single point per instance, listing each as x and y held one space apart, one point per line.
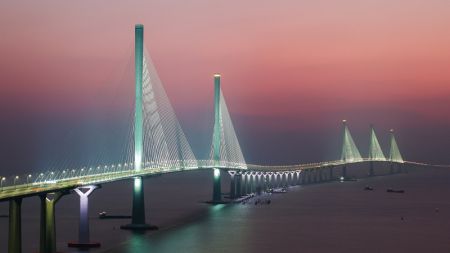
329 217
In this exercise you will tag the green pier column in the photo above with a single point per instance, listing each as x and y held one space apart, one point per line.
217 188
48 228
15 226
138 209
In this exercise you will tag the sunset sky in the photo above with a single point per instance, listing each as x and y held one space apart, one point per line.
292 70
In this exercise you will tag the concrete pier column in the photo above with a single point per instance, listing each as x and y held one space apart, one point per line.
316 174
253 182
232 184
259 185
48 228
303 176
269 180
15 226
217 186
309 176
238 179
83 227
297 177
249 183
371 169
330 170
320 174
243 183
292 180
344 171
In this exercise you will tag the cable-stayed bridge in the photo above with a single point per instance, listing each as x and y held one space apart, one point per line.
156 144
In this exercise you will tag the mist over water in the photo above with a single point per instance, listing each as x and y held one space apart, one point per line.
337 217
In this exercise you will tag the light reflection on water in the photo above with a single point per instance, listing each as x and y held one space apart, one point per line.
210 232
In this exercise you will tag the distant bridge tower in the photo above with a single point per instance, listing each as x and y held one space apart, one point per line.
394 153
350 152
375 152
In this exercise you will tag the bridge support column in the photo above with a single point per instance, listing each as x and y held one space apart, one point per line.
217 186
344 171
253 183
138 210
319 170
15 226
232 184
297 179
310 176
83 228
48 228
238 184
246 183
331 172
371 171
292 180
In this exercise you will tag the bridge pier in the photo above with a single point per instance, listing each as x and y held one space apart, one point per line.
309 176
293 178
297 174
238 184
48 228
232 184
83 227
400 168
371 169
138 210
344 171
247 183
253 182
217 186
15 226
330 172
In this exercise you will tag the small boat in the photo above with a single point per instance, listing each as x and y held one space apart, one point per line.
395 191
368 188
104 215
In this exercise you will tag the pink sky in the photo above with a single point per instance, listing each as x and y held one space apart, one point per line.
290 66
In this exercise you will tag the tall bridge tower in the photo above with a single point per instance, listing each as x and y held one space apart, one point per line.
138 211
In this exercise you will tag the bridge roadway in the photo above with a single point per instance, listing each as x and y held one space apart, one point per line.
72 182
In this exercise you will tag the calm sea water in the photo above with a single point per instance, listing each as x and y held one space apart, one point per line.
329 217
